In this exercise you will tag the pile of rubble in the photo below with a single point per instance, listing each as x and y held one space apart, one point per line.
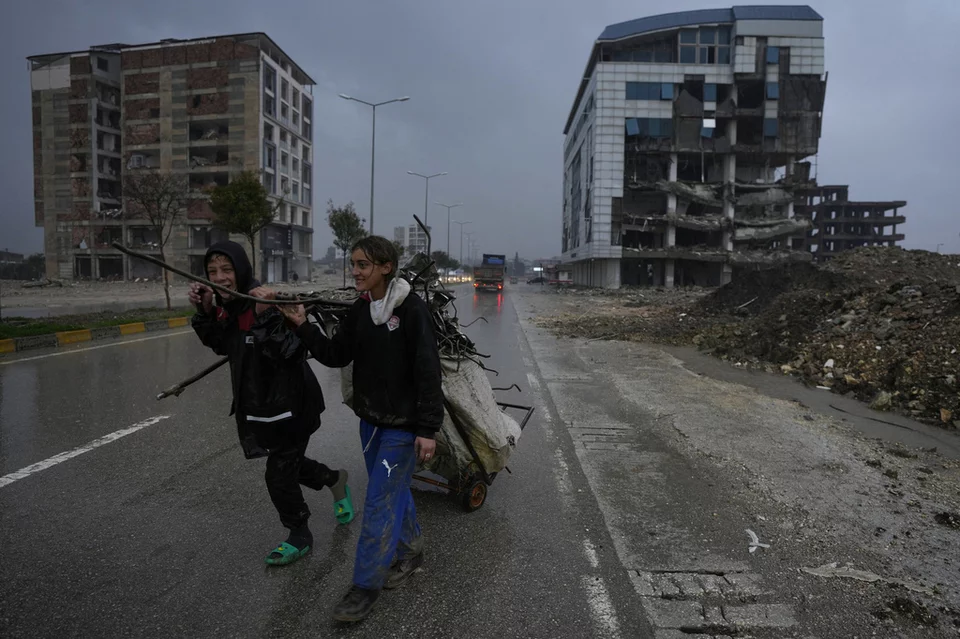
881 324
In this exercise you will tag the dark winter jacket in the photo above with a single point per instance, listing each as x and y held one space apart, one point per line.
276 397
396 366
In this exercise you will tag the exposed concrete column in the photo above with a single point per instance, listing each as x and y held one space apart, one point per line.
791 167
668 270
729 211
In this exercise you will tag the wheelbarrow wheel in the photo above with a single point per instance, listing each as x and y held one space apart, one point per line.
474 496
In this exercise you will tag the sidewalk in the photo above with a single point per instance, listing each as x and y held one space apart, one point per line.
683 465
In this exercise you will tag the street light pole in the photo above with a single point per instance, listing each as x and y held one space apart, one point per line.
426 193
373 144
448 207
462 224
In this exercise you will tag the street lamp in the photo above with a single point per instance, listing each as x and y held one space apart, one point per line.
462 224
448 207
426 196
373 144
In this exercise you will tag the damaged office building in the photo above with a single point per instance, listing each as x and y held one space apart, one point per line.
685 147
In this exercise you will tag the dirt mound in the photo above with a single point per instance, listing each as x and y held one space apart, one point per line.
880 323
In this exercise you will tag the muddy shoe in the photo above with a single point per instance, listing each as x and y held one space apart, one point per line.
402 570
355 605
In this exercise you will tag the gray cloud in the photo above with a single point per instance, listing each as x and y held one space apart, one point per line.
491 84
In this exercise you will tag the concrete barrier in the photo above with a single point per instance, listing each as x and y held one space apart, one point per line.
66 338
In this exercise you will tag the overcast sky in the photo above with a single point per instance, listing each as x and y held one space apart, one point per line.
491 84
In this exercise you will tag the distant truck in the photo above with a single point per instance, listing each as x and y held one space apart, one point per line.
489 275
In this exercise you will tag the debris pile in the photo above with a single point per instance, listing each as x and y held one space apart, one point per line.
882 324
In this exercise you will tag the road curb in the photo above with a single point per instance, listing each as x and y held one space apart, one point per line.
67 338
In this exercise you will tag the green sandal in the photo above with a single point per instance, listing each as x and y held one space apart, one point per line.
343 503
287 554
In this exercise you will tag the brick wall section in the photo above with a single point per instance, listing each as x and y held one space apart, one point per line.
207 78
198 53
138 83
37 186
173 56
208 104
79 113
151 58
199 210
80 66
143 134
38 213
80 187
140 109
79 88
80 139
37 119
131 60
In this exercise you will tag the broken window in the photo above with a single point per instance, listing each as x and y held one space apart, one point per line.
269 155
770 127
268 132
650 127
269 105
269 78
103 64
750 95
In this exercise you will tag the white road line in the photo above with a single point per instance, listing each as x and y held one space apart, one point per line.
23 473
591 553
601 607
533 381
93 348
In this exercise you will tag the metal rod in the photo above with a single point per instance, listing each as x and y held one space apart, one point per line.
223 289
176 389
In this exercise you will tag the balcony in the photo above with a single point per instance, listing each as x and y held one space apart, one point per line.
107 119
212 159
209 133
202 183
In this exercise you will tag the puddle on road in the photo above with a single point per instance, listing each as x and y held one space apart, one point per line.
859 416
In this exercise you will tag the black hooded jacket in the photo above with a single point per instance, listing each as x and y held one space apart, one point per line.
276 397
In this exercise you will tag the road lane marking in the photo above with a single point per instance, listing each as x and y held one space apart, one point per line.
93 348
601 606
533 381
591 554
32 469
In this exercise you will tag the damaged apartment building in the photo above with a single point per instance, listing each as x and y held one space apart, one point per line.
685 148
207 108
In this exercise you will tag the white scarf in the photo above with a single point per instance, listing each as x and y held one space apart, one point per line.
382 310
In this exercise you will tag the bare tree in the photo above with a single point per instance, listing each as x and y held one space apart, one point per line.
161 200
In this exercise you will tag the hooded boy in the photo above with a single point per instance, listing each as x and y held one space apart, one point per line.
277 400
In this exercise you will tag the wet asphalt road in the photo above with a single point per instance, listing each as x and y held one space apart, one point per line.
161 533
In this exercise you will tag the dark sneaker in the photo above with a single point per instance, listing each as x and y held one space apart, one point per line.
356 604
400 571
